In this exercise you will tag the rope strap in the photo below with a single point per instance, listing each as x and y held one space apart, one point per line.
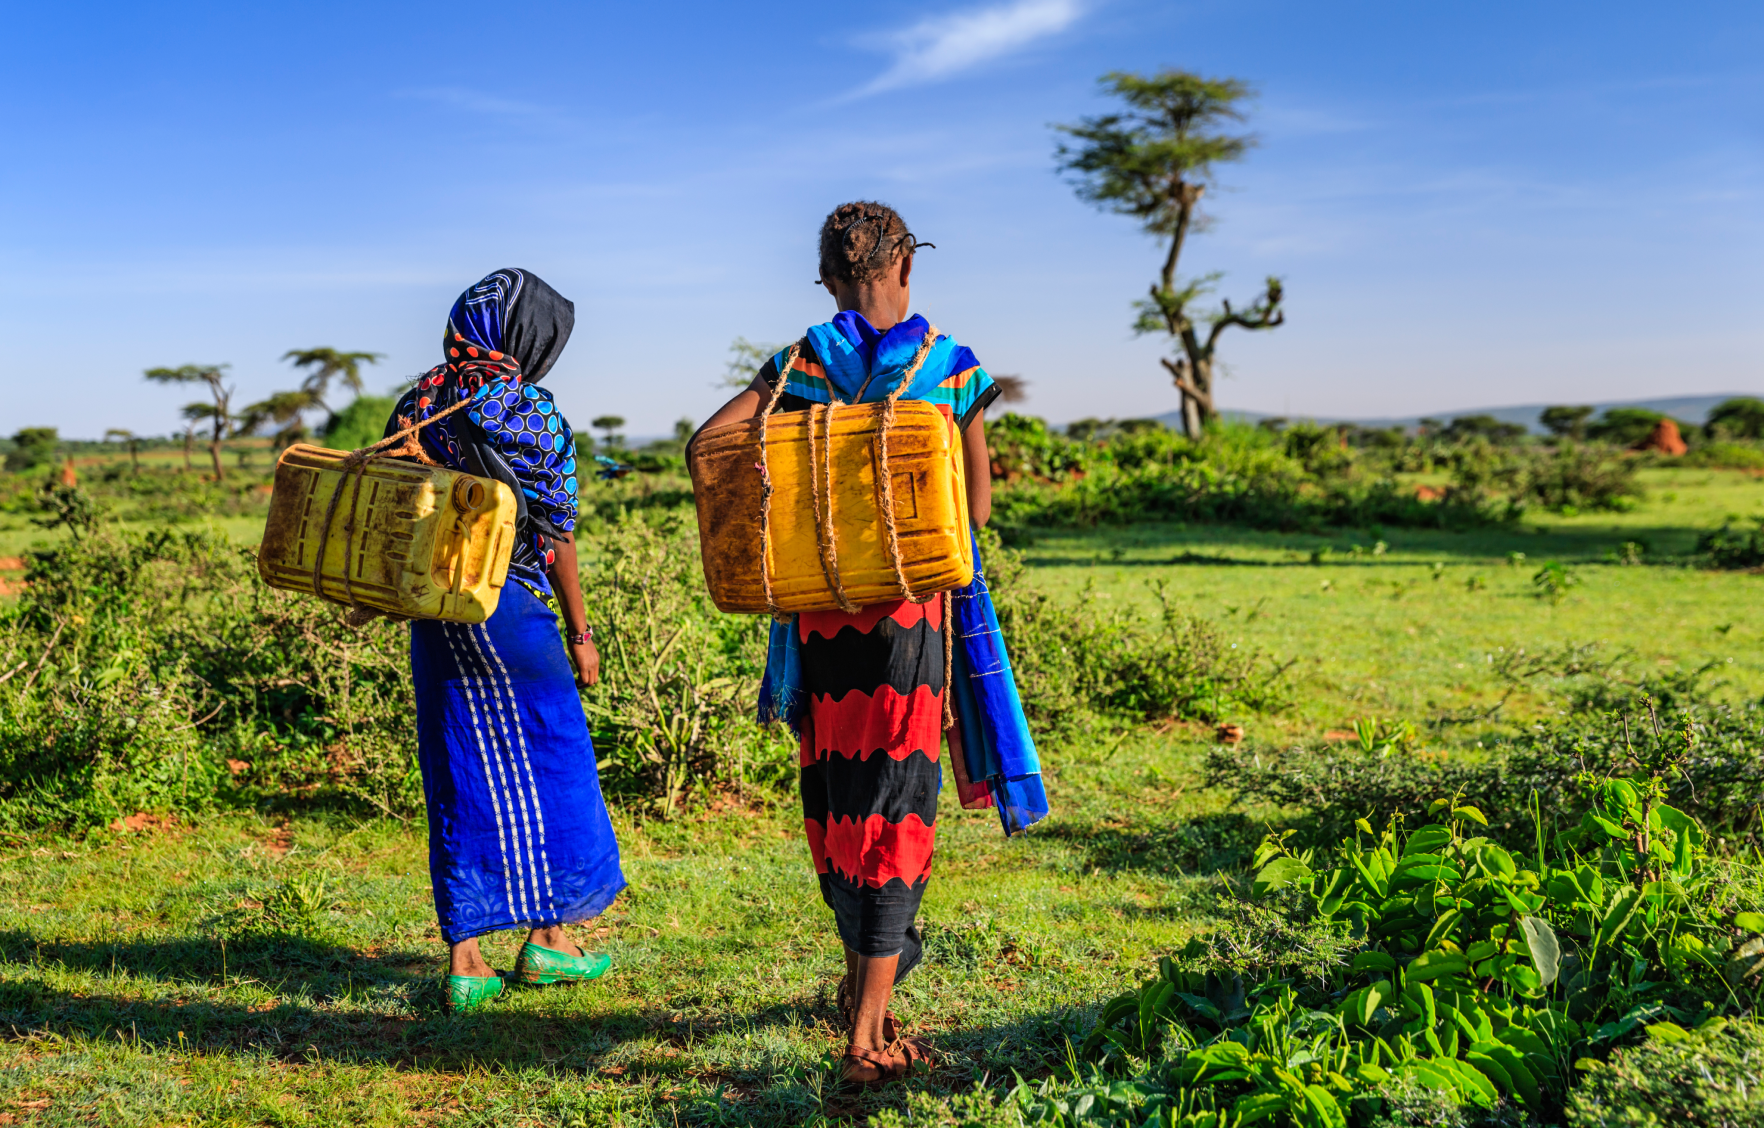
357 461
765 515
821 480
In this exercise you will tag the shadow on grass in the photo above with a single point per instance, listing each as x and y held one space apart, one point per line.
344 1004
339 1005
1205 844
1581 544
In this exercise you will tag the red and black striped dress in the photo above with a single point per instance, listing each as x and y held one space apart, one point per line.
870 766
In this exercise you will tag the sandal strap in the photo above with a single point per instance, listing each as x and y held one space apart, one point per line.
881 1060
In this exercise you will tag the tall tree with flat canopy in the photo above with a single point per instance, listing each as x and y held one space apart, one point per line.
219 413
1154 162
322 365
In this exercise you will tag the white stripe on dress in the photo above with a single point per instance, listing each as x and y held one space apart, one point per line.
532 781
503 770
520 790
484 758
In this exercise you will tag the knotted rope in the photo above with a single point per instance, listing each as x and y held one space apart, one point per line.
765 518
357 461
892 535
821 480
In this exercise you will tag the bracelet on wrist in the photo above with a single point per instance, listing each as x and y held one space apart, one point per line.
577 638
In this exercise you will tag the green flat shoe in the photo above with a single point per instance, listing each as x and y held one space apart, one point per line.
469 992
548 965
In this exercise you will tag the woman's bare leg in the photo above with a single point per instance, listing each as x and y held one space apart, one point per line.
875 989
464 958
553 937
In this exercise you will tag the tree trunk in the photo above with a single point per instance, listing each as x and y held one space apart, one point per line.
1201 372
214 454
189 438
1191 416
135 457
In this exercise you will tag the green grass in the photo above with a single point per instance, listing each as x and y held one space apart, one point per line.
244 972
151 979
1378 634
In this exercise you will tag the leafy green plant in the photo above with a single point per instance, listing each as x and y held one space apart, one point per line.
1734 544
1480 974
1553 581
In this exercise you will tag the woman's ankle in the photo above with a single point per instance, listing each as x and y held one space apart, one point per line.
553 937
465 958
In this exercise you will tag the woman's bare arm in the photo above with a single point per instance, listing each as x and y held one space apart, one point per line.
977 469
566 581
746 404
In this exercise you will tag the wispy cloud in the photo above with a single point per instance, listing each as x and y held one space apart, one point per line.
942 46
472 100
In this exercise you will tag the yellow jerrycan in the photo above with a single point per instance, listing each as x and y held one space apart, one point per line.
409 540
838 507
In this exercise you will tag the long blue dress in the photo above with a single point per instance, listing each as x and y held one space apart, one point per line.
518 831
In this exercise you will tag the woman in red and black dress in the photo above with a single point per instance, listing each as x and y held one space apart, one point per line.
873 732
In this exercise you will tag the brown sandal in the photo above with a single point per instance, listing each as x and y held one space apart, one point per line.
892 1064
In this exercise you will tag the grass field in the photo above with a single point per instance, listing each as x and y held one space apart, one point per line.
248 972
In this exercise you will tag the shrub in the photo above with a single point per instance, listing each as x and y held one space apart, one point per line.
362 423
1073 661
1724 455
676 702
1713 1078
1734 545
32 447
1740 417
1235 473
1719 779
1435 959
1577 476
1023 447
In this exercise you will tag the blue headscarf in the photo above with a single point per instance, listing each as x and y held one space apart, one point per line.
503 335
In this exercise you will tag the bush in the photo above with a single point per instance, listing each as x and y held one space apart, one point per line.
1740 417
1235 473
1734 544
1711 1079
362 423
1435 959
1023 447
1430 976
676 704
1577 476
1073 662
1719 778
1724 455
158 673
32 447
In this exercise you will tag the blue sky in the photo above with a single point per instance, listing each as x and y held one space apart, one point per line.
1470 204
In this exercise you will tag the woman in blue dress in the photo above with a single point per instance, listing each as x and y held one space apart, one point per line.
518 830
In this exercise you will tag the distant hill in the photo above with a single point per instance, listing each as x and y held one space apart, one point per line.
1688 409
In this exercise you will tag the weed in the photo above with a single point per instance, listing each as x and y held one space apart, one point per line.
1553 580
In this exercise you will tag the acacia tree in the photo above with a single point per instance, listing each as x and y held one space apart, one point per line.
324 365
218 413
132 440
285 410
1153 161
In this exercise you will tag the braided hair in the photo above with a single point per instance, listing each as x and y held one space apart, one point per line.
862 241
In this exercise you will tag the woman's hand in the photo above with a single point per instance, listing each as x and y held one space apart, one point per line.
587 662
